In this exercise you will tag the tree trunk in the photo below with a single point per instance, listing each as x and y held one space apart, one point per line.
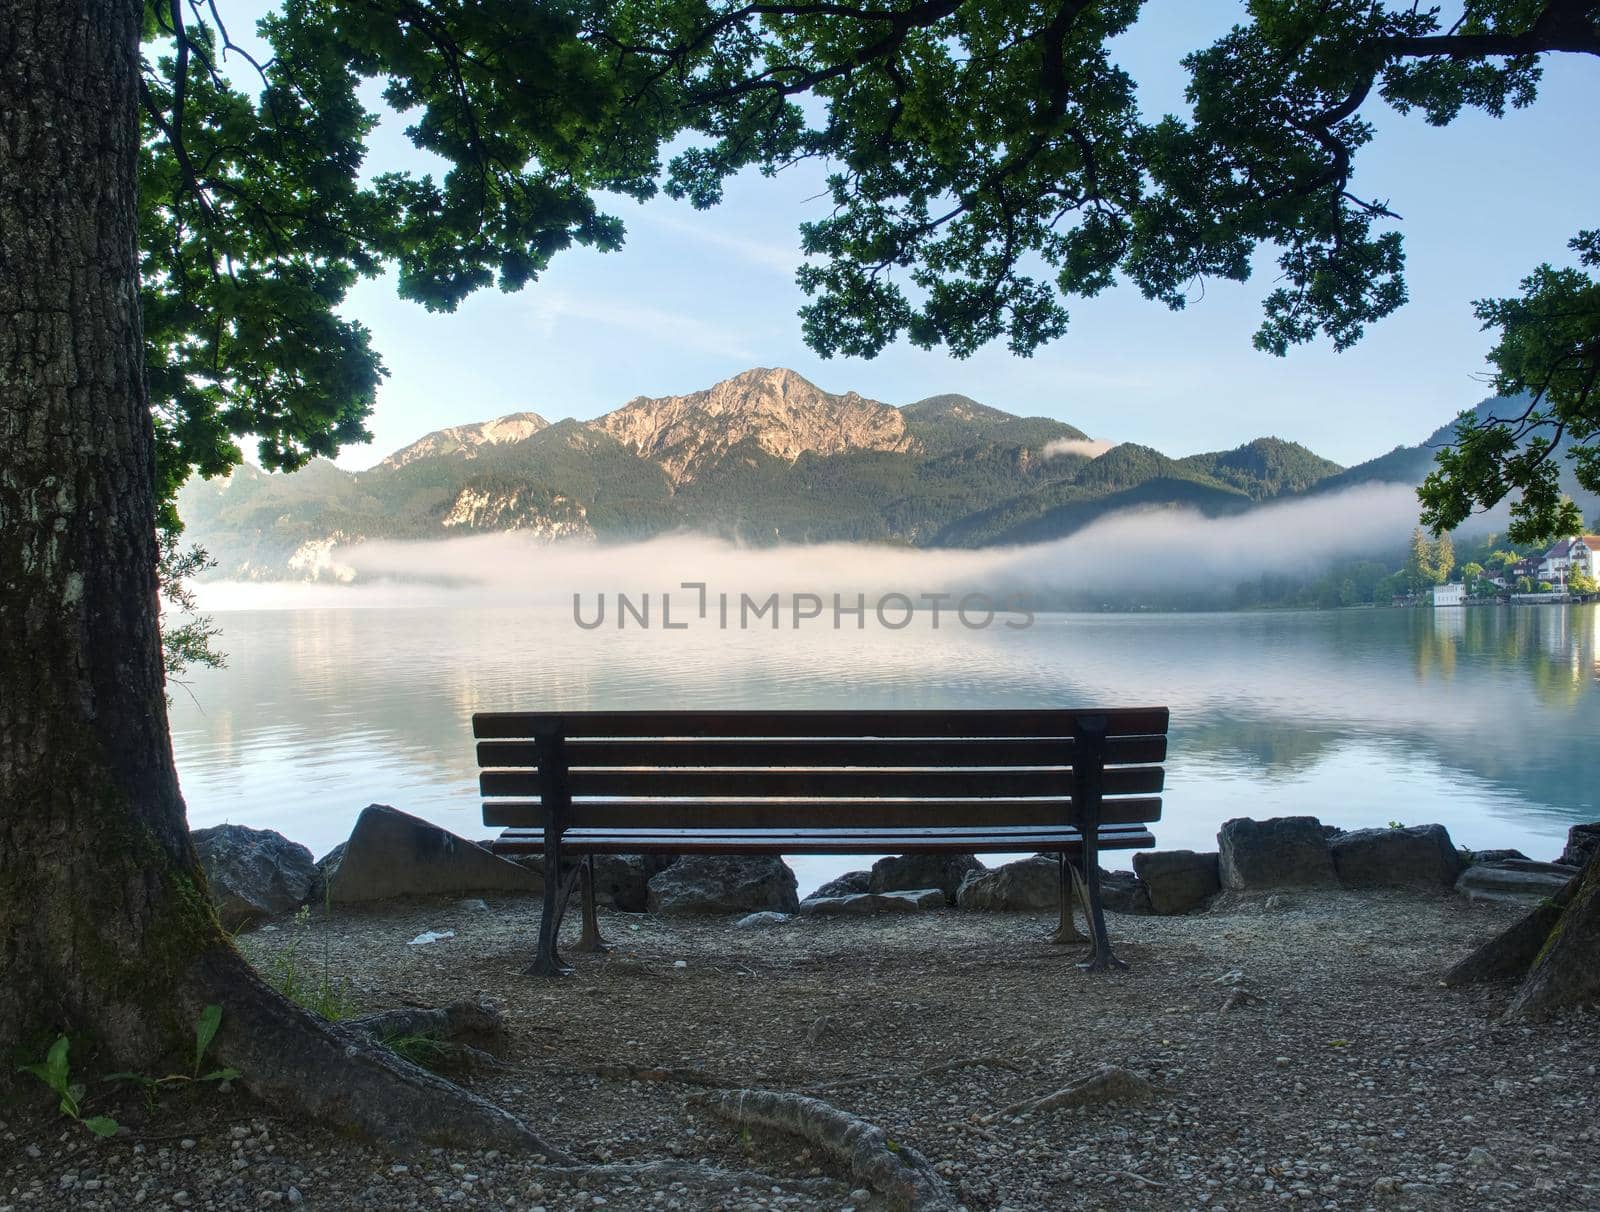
1554 951
105 926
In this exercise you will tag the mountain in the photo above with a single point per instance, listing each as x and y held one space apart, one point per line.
764 457
468 440
774 411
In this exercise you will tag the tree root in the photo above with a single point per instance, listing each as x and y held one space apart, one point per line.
1109 1084
894 1170
333 1073
444 1032
968 1062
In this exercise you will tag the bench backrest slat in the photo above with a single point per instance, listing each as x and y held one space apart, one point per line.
824 752
815 814
1023 722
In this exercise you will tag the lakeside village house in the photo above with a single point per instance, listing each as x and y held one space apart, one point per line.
1579 554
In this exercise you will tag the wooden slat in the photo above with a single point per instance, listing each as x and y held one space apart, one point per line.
866 842
821 784
946 815
1120 721
813 751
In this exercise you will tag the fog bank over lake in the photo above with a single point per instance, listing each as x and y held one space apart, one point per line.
1482 719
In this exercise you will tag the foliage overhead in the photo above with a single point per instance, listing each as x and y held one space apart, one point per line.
987 163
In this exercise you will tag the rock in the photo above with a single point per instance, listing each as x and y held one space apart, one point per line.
1123 892
1178 881
757 921
854 904
1513 881
1582 843
253 873
391 853
942 871
861 904
1413 856
724 884
1281 852
1032 883
848 883
1494 856
903 899
473 904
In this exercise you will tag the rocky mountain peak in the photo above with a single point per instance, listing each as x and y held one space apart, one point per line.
776 409
466 440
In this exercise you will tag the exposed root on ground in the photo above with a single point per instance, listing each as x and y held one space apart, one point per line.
1110 1084
894 1170
334 1073
442 1035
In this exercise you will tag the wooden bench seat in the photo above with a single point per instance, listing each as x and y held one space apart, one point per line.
578 784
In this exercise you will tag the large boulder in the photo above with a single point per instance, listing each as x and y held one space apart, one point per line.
849 884
1033 883
1582 843
916 871
1284 851
1123 892
253 873
1178 881
724 884
1514 881
391 853
864 904
1412 856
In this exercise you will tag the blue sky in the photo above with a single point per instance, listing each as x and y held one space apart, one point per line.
697 296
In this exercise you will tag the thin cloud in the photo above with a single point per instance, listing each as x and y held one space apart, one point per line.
664 327
761 254
1089 448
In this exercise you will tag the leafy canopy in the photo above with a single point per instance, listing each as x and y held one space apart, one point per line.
987 158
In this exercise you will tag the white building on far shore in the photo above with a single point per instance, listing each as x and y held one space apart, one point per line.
1453 594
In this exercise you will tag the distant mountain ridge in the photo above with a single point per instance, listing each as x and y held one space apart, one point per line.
763 457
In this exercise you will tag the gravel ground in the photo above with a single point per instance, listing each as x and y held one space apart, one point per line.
1302 1051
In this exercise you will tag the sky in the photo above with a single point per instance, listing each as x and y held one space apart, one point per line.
695 297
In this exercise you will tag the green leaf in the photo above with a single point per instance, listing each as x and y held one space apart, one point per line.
205 1030
101 1125
221 1075
56 1065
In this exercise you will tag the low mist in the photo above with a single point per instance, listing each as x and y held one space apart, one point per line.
1137 553
1089 448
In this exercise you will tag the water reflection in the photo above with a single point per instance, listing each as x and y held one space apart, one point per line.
1479 718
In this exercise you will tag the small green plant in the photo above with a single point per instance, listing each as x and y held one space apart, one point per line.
205 1031
421 1050
55 1071
298 976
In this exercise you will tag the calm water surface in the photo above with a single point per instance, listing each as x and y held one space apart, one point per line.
1482 719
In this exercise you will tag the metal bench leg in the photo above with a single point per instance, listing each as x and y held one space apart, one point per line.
1071 889
548 961
590 939
1102 958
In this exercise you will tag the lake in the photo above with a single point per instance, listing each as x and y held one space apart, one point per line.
1483 719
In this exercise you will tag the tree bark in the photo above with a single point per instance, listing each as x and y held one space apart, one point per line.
1554 950
105 926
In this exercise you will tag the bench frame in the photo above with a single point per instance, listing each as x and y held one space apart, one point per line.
528 753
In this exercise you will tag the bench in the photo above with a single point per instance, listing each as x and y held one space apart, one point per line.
577 784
